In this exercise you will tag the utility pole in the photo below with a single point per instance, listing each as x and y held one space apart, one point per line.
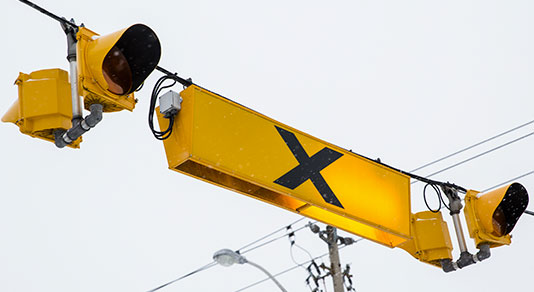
335 266
330 237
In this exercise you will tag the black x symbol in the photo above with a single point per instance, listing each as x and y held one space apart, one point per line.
308 168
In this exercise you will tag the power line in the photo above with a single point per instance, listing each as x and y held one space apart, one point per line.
274 239
291 268
278 274
478 155
508 181
292 241
213 263
472 146
481 154
270 234
205 267
293 257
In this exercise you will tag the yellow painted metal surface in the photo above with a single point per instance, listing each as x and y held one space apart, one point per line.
44 104
479 217
431 241
224 143
91 50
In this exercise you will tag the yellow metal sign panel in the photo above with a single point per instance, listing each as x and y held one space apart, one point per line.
222 142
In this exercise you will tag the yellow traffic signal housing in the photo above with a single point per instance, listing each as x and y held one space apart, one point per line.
492 216
111 67
44 104
431 241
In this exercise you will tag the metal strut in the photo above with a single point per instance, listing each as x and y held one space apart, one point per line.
70 32
466 258
79 124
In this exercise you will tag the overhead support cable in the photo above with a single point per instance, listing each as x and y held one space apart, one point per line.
476 156
504 183
481 154
48 13
508 181
472 146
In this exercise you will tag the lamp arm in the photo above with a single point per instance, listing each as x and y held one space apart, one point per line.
268 274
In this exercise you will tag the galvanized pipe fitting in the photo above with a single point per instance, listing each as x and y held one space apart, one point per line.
79 127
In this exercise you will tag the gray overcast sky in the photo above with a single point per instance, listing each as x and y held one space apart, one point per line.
406 81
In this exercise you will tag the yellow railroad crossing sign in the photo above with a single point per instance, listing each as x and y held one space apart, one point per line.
219 141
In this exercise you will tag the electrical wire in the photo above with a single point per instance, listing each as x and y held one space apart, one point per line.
275 275
48 13
324 284
184 82
301 248
205 267
435 185
272 233
272 240
472 146
313 277
418 177
291 236
160 135
480 154
158 87
290 269
440 198
508 181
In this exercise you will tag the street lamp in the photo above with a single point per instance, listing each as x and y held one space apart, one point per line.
226 257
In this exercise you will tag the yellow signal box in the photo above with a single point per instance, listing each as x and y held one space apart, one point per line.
491 216
219 141
431 241
111 67
44 104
